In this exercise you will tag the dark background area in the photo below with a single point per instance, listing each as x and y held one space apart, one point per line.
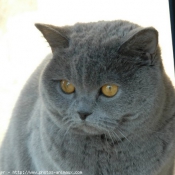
172 18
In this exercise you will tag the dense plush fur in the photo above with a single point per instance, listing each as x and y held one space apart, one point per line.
132 133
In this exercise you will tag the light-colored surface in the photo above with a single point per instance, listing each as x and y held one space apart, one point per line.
22 47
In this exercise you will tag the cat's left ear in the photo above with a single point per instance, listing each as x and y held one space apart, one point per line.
55 36
140 41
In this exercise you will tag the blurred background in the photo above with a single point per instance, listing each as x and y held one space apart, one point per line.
22 47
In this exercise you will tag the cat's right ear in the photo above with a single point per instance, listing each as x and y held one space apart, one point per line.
143 40
55 36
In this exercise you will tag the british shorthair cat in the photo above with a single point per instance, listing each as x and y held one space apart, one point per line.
101 104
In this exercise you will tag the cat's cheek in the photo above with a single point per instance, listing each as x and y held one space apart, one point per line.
56 100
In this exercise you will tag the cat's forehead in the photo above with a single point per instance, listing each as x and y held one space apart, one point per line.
93 50
97 42
102 29
93 35
92 56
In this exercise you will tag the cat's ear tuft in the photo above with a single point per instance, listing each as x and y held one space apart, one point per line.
55 36
144 40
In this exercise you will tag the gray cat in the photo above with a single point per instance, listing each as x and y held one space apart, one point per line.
101 104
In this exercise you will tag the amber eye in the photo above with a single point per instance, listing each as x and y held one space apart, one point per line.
109 90
67 87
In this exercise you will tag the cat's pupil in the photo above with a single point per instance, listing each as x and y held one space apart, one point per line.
109 87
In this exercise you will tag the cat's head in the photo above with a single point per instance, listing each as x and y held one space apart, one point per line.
103 77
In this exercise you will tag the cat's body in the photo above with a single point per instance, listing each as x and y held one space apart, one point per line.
130 133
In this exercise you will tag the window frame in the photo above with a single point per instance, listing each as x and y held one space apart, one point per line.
172 19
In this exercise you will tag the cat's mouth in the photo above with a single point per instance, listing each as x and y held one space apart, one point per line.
104 137
86 128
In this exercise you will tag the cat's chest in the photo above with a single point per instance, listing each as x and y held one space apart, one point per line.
94 156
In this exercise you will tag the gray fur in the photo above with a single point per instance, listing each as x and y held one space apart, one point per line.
131 133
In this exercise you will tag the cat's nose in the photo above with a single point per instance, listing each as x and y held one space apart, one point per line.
84 115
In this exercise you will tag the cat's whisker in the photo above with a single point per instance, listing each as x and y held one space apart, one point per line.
121 142
134 134
124 146
125 137
107 124
158 132
65 118
96 124
67 131
110 136
67 122
107 131
108 121
114 134
112 142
